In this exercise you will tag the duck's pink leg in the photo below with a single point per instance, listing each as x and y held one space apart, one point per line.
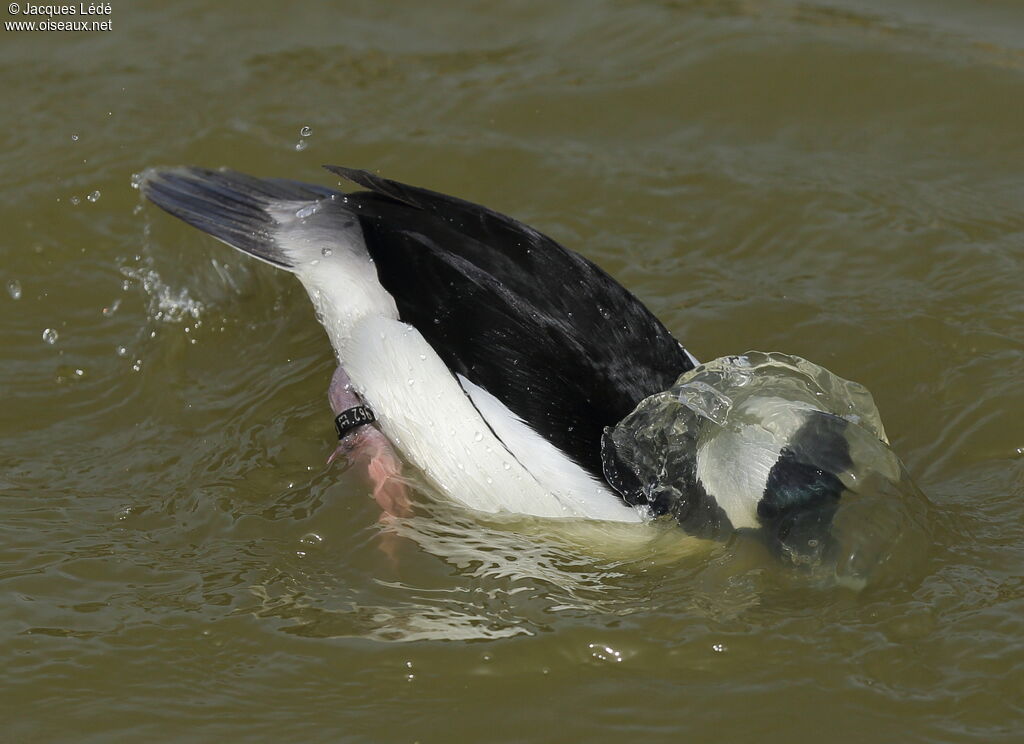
367 445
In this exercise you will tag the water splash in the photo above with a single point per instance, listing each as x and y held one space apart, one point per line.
165 303
713 441
705 401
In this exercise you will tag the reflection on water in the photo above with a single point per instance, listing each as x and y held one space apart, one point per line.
513 576
516 575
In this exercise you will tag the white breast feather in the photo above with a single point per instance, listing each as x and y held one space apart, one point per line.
427 415
573 486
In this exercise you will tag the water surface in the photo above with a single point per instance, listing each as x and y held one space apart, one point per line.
839 179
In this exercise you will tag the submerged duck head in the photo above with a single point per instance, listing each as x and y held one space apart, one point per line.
765 443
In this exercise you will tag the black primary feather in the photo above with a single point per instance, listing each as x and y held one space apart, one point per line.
544 330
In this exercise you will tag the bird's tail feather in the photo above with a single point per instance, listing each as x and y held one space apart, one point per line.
240 210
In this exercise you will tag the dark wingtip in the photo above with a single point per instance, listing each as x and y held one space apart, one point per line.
351 174
355 175
411 195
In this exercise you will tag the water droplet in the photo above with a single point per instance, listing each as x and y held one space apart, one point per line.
311 538
137 365
604 653
308 211
66 373
94 196
112 307
478 437
315 262
136 180
719 648
325 252
506 466
50 336
301 145
412 381
75 201
305 131
74 137
14 289
122 351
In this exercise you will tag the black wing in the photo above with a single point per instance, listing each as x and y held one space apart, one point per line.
541 328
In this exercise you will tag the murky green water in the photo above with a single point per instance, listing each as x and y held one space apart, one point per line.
840 179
